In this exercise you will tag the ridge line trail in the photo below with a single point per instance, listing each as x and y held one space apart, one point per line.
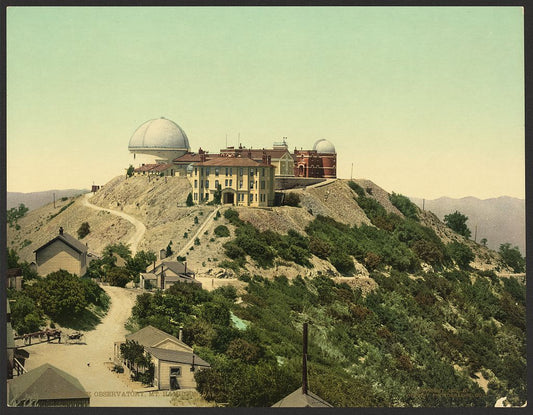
140 229
202 227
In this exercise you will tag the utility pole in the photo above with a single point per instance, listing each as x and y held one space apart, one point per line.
54 200
475 234
423 204
351 173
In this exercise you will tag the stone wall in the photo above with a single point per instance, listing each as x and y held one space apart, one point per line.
284 183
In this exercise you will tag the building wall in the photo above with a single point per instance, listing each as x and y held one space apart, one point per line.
185 380
58 256
172 345
251 186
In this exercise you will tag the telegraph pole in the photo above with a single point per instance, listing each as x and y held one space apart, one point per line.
351 173
54 200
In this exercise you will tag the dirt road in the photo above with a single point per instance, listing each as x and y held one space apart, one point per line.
96 348
140 229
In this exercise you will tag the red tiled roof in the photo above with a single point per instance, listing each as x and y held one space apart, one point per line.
145 167
162 167
187 158
233 161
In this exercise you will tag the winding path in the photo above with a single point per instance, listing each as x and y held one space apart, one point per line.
200 230
140 229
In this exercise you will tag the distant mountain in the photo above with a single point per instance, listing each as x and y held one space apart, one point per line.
499 220
35 200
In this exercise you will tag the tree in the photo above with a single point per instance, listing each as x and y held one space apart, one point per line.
118 276
14 214
189 201
12 258
404 205
130 171
169 250
460 253
84 230
221 231
512 257
140 262
457 222
484 242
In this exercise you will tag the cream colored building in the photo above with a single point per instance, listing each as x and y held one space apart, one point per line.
241 180
174 361
63 252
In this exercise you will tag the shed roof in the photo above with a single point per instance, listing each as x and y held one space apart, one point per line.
150 336
176 356
45 382
298 399
68 240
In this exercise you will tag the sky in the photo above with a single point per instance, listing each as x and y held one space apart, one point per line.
423 101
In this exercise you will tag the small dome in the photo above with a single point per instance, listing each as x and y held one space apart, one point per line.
159 133
324 146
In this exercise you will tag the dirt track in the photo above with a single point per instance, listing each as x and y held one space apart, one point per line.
96 348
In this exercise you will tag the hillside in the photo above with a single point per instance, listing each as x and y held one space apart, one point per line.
499 220
159 203
34 200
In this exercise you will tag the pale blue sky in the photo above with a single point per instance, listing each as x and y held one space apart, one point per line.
426 101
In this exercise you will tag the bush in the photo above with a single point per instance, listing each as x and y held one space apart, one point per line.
221 231
292 199
404 205
118 276
460 253
233 217
457 222
356 188
343 262
189 201
84 230
196 241
512 257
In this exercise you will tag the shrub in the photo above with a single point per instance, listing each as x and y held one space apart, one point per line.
460 253
404 205
457 222
356 188
196 241
343 262
221 231
512 257
130 170
319 247
84 230
189 201
118 276
233 217
196 220
292 199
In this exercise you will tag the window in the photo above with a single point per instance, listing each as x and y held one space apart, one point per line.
251 172
230 171
256 197
175 371
241 171
207 184
226 182
195 183
230 182
196 196
216 184
251 185
262 185
202 184
216 171
207 196
240 184
196 171
202 171
251 198
226 171
207 171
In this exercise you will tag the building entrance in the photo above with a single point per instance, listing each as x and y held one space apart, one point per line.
229 198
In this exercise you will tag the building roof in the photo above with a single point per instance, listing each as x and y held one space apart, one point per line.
177 267
163 166
148 276
145 167
181 278
233 162
324 146
150 336
190 158
298 399
257 154
44 383
68 240
159 133
176 356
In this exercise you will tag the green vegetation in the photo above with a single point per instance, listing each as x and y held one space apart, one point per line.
221 231
189 201
139 362
461 254
129 171
457 222
65 298
404 205
356 188
396 346
512 257
14 214
169 250
61 210
84 230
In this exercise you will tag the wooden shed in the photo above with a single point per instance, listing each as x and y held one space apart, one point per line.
62 252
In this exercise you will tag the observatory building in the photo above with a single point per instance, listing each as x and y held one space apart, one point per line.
160 138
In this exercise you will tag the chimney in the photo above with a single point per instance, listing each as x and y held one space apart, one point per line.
264 157
269 159
185 263
180 336
304 361
61 230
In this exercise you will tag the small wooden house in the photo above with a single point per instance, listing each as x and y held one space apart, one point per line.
62 252
167 273
174 361
46 385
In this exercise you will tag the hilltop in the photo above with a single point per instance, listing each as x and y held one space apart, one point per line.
160 204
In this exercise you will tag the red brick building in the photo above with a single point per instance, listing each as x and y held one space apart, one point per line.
321 161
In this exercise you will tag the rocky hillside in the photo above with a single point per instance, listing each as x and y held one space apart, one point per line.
159 203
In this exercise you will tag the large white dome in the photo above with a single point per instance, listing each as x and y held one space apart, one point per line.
161 134
324 146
